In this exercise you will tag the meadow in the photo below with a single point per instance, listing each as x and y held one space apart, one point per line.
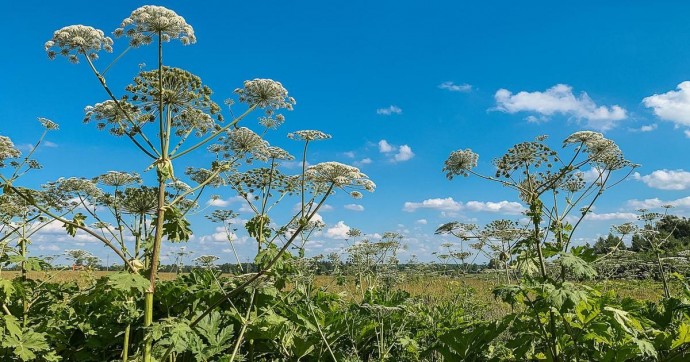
541 295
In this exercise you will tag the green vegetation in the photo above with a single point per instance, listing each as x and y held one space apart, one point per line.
540 298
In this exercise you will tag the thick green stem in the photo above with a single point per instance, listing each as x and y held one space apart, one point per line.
160 212
125 344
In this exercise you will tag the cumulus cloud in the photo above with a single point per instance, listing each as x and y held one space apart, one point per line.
385 147
354 207
389 110
666 179
560 99
503 207
672 106
449 206
656 203
338 231
396 153
452 87
421 222
648 128
218 235
625 216
364 161
404 153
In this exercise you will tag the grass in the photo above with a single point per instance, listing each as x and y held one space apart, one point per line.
476 290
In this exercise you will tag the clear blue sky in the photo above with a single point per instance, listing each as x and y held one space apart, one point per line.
426 77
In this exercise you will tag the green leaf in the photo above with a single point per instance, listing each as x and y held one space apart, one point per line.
175 226
576 265
683 336
128 282
74 226
6 290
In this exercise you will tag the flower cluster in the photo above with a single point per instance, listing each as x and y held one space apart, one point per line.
278 153
242 142
48 124
523 155
74 190
117 178
265 93
7 150
339 175
601 150
183 93
308 135
124 118
459 162
73 40
147 21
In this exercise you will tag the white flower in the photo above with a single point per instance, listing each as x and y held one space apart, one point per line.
340 176
117 178
265 93
48 124
78 39
459 162
7 150
308 135
148 21
601 150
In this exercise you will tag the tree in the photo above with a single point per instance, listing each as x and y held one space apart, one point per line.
607 244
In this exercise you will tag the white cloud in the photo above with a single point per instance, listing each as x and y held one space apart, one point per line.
364 161
349 154
656 203
218 202
626 216
404 153
389 110
50 144
666 179
672 106
591 175
447 204
385 147
648 128
560 99
503 207
421 222
687 133
338 231
219 235
451 86
354 207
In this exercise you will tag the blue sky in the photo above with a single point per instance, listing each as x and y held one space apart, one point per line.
426 78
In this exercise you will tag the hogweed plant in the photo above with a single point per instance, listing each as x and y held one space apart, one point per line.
559 190
168 113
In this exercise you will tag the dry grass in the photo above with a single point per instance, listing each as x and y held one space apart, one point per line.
476 291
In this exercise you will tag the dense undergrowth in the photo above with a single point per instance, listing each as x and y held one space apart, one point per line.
275 312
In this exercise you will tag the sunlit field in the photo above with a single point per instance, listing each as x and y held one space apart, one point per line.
445 189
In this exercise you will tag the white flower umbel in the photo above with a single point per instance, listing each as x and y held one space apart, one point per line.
7 150
73 40
118 178
459 162
265 93
148 21
48 124
309 135
340 176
